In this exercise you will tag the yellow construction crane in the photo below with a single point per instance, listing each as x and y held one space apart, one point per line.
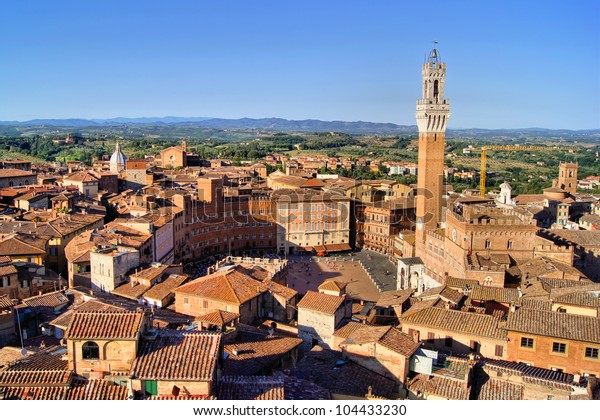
484 149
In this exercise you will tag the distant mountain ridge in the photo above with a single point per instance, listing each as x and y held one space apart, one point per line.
310 125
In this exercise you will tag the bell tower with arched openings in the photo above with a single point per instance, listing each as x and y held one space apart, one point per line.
567 177
433 111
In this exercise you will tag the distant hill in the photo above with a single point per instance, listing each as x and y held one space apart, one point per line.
280 124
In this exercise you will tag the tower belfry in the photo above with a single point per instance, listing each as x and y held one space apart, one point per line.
433 111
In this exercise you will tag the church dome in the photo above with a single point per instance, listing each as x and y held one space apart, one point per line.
117 160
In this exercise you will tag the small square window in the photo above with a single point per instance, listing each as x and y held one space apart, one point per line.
559 348
527 342
591 353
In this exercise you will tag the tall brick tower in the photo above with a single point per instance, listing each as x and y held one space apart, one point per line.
433 111
567 177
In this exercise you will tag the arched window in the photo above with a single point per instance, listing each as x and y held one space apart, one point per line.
90 350
435 89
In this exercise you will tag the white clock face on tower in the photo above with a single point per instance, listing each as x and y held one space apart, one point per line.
454 235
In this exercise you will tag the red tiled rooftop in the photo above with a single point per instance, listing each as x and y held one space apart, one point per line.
218 317
555 324
178 355
321 302
458 321
256 350
229 286
438 386
105 325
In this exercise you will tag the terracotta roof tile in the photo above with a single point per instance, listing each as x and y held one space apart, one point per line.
451 295
80 389
323 368
583 298
193 397
178 355
65 225
495 294
445 292
346 330
256 350
24 244
555 324
457 321
39 369
459 283
84 176
417 305
62 321
218 317
51 300
7 270
547 267
285 292
132 290
529 373
495 389
399 342
229 286
161 290
389 337
321 302
580 237
539 304
392 298
276 387
150 273
96 389
550 284
5 303
35 392
301 389
12 173
112 234
105 325
332 286
438 386
251 388
368 334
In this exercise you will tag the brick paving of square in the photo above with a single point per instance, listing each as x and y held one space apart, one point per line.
341 269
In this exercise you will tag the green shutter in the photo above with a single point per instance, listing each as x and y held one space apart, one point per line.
151 387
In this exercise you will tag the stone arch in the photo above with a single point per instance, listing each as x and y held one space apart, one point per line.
113 351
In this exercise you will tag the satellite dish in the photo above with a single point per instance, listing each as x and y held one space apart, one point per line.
23 352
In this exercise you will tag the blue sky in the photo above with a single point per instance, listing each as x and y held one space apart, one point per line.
510 63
